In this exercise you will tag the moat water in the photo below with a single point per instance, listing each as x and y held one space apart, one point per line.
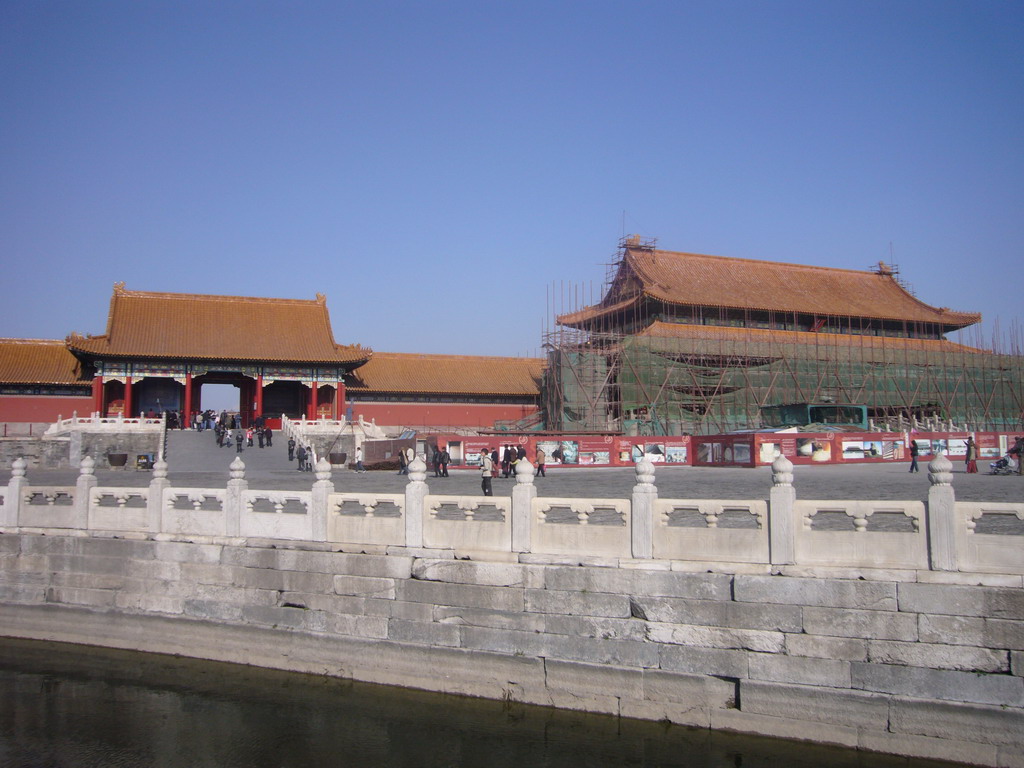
66 706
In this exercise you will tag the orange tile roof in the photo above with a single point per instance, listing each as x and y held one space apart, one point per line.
693 279
456 374
38 361
660 330
198 327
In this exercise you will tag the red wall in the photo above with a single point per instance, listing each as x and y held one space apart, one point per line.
38 408
417 415
758 449
580 450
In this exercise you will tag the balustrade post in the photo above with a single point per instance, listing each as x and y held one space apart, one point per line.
83 492
523 494
155 504
15 492
641 515
234 500
941 516
320 509
75 445
415 502
782 520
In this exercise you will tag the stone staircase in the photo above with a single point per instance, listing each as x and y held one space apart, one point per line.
191 451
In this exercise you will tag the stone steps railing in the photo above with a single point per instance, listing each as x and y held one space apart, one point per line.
752 535
99 423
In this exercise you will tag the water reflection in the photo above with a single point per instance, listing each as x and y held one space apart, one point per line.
72 707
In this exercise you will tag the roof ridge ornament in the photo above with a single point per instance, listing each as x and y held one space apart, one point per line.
119 288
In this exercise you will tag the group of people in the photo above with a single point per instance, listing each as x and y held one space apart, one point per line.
174 419
440 461
203 420
512 455
491 463
302 453
237 436
971 455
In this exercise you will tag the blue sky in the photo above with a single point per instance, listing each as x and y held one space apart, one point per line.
440 169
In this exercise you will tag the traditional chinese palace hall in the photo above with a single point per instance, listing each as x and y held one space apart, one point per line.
686 343
160 349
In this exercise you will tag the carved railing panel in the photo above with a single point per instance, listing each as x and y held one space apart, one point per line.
865 533
48 507
119 509
582 527
468 523
197 511
366 518
988 537
277 515
710 530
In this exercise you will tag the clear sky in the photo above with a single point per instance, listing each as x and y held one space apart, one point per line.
441 169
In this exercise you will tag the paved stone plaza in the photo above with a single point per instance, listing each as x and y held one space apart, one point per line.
194 460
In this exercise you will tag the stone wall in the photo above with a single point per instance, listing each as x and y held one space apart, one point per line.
38 452
99 445
67 450
927 664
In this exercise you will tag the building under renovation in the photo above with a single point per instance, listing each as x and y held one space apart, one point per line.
688 343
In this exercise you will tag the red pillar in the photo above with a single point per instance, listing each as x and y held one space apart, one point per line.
313 404
188 399
259 395
97 394
127 397
339 401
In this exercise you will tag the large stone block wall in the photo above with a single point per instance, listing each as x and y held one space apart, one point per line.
66 451
45 453
898 663
99 444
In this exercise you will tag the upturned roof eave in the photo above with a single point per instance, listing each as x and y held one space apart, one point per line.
87 352
360 389
954 320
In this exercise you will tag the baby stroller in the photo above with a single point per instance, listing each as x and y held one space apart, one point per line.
1005 466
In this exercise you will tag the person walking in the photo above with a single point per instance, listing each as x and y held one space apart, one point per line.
301 456
971 456
268 435
446 459
238 441
359 459
435 461
259 436
913 456
486 466
291 449
1018 454
541 458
